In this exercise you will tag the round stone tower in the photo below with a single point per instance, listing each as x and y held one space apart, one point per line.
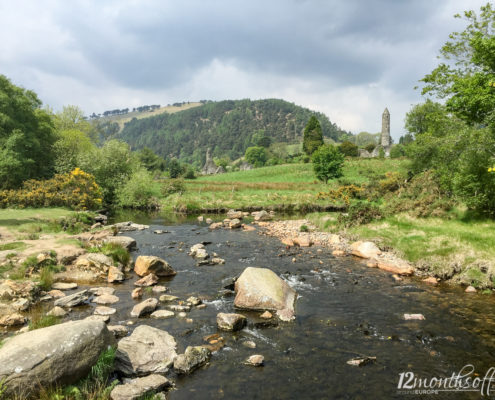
385 139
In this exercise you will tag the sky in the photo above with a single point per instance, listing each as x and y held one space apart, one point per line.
348 59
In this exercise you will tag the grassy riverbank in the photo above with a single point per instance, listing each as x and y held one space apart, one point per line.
290 187
459 248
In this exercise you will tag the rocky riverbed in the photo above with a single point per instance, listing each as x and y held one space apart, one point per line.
202 341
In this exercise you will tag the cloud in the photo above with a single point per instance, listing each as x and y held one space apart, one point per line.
347 59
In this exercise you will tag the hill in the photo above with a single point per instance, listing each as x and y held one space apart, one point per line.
121 119
226 127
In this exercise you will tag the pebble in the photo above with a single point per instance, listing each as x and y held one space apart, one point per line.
256 360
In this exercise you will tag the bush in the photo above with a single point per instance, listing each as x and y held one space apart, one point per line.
397 151
359 213
370 147
173 186
327 162
303 228
189 174
77 190
343 193
140 191
349 149
256 156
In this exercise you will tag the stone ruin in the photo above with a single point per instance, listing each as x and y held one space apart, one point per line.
385 139
210 168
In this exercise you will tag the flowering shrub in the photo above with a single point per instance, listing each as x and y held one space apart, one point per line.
343 193
77 190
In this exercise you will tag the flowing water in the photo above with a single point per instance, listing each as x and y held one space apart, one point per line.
344 310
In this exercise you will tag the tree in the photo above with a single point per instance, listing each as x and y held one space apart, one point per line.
72 118
175 169
256 156
27 136
150 160
363 139
466 78
349 149
69 148
313 138
111 165
327 162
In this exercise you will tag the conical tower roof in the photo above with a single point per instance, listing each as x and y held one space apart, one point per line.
386 111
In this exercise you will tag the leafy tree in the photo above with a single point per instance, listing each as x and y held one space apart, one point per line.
349 149
69 148
397 151
175 169
327 162
256 156
406 139
111 165
27 136
139 191
72 118
150 160
466 78
363 139
313 138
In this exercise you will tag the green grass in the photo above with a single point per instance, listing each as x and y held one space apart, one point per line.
114 250
39 321
288 184
13 246
15 217
441 245
46 278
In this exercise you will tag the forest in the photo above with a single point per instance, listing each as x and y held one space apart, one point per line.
226 127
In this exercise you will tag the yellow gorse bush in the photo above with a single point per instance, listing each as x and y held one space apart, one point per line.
76 189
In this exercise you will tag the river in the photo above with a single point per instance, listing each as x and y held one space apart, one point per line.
344 310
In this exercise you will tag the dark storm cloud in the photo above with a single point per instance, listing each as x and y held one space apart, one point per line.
144 44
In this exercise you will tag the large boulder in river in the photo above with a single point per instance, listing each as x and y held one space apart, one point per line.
150 264
262 289
148 350
58 355
145 307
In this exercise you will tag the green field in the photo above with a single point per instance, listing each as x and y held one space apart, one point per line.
287 187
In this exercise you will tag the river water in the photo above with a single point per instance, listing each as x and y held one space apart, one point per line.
344 310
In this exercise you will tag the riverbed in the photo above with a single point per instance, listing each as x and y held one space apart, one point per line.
344 310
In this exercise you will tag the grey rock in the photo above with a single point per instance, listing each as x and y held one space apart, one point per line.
57 355
162 314
72 300
102 318
256 360
64 285
129 226
137 388
149 280
231 322
99 291
57 312
118 330
106 299
147 350
145 307
194 357
102 310
125 241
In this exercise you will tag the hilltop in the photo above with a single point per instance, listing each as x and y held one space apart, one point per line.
226 127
